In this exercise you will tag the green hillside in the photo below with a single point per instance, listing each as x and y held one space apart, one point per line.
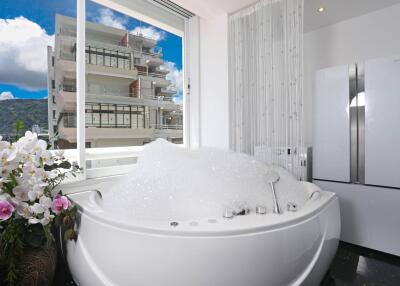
30 111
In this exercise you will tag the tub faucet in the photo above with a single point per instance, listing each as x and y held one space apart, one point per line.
271 178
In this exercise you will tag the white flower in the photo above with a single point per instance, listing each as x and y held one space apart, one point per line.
4 144
45 202
8 161
47 158
37 208
33 220
21 193
23 210
50 175
47 218
30 170
59 153
28 142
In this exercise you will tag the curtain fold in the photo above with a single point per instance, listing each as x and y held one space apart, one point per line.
266 82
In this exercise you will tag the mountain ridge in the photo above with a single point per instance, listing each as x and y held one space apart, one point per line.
30 111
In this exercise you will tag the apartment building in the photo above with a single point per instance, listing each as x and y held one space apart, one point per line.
129 101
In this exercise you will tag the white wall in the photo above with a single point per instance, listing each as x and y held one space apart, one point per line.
369 36
214 103
369 214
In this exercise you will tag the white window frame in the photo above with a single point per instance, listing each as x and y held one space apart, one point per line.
81 154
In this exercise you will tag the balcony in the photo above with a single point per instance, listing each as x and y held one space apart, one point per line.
92 134
66 65
66 100
111 71
167 126
168 132
168 92
153 61
151 101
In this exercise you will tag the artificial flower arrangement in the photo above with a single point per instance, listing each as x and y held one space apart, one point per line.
30 207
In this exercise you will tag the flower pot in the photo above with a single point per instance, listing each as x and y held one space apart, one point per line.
37 266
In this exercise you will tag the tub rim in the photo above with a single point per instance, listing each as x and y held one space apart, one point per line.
241 225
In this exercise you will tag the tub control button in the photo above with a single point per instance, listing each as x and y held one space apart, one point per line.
174 223
261 210
292 207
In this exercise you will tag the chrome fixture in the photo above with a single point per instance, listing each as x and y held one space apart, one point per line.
261 210
357 122
272 178
174 223
228 213
242 211
238 211
314 195
292 207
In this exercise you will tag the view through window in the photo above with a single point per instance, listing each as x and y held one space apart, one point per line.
133 83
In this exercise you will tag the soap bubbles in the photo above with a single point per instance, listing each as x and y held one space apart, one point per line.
170 182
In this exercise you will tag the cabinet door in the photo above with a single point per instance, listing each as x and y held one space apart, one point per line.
382 122
331 127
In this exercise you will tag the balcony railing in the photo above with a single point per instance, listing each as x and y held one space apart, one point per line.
127 95
67 56
167 126
68 88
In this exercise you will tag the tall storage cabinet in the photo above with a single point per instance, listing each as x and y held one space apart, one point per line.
382 124
331 127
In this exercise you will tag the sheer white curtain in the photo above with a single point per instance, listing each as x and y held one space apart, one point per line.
265 75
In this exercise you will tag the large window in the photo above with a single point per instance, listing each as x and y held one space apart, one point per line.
134 82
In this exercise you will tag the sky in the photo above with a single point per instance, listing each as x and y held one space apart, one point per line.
27 28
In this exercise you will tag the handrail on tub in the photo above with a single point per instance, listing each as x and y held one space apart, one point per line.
86 191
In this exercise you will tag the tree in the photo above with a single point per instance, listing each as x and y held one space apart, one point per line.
19 127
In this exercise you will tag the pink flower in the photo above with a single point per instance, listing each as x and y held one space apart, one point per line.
6 210
59 204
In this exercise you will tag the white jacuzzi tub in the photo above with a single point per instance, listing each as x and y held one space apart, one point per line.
294 248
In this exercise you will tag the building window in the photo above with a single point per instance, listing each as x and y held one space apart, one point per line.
54 114
54 99
116 116
108 58
53 84
52 61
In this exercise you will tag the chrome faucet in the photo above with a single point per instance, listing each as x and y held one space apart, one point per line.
271 178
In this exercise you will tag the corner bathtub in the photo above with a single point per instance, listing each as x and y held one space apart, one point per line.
294 248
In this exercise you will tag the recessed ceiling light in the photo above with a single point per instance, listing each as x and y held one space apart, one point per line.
321 9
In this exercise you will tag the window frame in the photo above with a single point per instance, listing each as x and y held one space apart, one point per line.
82 154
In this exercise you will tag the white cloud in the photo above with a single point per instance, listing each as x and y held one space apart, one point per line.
23 53
6 95
149 32
175 76
108 18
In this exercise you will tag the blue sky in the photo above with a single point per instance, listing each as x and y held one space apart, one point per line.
23 74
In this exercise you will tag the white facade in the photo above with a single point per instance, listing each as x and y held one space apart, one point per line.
129 101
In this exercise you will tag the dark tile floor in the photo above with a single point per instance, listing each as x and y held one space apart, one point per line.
352 266
355 265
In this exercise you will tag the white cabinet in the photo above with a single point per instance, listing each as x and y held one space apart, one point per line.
382 122
331 128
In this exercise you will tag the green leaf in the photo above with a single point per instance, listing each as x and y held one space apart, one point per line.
69 234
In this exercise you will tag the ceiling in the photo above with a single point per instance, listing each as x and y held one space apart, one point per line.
335 10
338 11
